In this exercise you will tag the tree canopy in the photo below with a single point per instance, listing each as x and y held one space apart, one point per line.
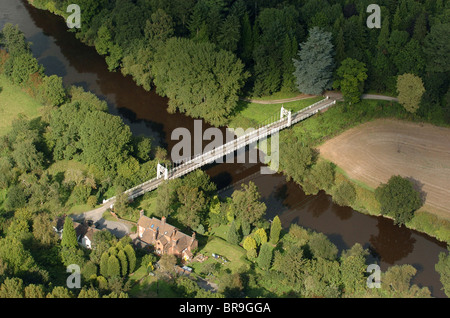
351 76
199 79
398 198
410 90
69 238
314 68
246 204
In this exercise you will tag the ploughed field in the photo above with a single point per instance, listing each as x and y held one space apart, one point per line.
374 151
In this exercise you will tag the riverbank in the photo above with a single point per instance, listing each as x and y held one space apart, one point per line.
432 224
336 121
341 118
366 203
375 151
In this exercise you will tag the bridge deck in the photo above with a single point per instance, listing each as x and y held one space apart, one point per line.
227 148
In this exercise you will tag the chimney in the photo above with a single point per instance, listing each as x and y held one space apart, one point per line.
174 240
193 238
163 221
141 213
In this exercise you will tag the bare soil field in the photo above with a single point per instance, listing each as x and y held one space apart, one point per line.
373 152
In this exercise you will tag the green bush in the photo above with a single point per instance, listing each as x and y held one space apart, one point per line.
398 199
344 193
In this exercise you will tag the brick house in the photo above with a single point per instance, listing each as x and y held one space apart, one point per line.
165 238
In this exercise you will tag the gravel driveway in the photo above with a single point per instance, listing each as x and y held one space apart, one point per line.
119 229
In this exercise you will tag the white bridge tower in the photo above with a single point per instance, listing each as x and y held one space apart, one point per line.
162 171
285 112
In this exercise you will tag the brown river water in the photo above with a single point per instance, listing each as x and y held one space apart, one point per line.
145 112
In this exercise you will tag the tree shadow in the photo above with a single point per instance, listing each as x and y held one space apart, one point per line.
102 224
241 106
222 180
392 242
318 205
40 43
337 240
418 186
342 212
281 192
53 66
85 87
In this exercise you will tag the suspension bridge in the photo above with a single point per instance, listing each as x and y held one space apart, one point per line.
182 167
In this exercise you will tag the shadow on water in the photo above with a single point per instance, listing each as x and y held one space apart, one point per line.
338 241
39 44
391 245
317 207
85 86
222 180
53 66
343 213
280 192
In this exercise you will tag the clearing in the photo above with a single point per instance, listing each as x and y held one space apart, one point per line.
255 114
374 151
14 101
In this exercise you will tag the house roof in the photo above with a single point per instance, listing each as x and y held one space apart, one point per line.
182 243
159 230
163 240
154 224
80 229
90 233
144 221
59 223
147 236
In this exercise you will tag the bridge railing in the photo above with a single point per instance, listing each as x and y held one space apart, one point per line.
235 143
199 160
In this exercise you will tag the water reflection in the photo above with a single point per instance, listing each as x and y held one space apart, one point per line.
338 240
343 213
39 43
53 66
318 207
392 246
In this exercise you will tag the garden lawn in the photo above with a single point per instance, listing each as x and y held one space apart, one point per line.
235 255
151 287
146 202
14 101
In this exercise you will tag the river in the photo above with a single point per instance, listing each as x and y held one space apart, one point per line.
145 112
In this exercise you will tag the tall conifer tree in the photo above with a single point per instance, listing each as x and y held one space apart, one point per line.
69 236
314 68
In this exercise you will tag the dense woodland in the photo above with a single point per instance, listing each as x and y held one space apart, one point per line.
222 49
